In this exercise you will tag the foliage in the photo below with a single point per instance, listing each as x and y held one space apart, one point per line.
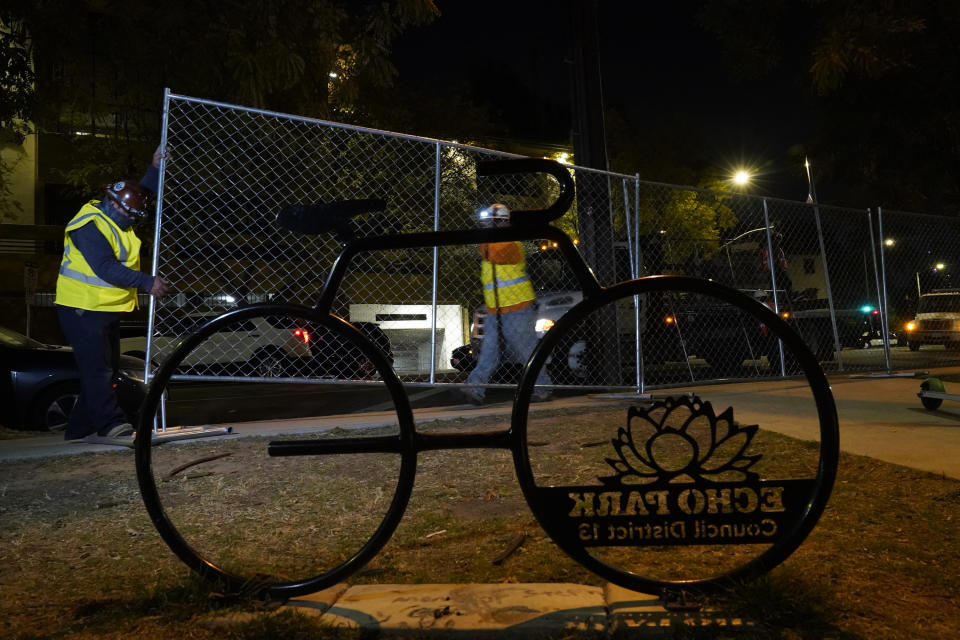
7 203
689 221
883 77
16 80
100 64
16 101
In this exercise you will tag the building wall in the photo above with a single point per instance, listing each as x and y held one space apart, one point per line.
22 181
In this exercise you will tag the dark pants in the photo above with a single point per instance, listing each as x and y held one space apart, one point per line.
96 348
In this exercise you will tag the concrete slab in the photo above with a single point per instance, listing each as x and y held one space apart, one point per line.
473 611
316 604
644 616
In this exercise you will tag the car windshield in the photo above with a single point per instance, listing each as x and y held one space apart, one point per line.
11 338
940 303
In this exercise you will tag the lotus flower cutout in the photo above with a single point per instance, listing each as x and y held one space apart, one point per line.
682 440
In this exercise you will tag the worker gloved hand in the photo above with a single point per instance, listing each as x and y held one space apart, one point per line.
160 287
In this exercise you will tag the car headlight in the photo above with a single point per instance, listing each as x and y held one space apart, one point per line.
543 325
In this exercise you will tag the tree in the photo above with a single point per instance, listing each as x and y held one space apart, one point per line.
690 221
102 64
884 76
16 100
16 80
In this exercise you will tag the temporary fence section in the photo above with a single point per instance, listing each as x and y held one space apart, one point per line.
920 300
231 169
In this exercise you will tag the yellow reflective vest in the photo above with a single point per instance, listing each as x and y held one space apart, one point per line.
77 285
506 287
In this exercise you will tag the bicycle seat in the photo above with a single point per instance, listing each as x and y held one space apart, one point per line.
320 217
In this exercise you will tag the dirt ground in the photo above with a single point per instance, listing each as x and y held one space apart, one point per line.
80 558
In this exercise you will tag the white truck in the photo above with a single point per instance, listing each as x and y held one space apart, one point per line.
937 320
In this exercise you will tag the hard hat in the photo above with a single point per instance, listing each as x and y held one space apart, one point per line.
129 196
493 212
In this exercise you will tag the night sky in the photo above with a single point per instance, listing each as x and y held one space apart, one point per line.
658 67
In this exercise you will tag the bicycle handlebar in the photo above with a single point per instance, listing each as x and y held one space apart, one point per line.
528 217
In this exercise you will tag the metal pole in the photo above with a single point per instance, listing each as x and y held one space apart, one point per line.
884 319
626 220
876 274
638 335
812 199
773 280
436 266
158 223
826 278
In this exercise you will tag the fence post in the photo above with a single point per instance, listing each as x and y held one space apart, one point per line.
158 223
884 319
436 265
826 278
876 274
773 279
635 272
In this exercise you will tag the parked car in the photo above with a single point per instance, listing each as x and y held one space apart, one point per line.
39 383
334 357
263 346
874 338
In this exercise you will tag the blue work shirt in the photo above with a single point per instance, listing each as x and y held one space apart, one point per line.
97 250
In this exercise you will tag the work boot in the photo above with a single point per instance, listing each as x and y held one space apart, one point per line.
119 430
471 395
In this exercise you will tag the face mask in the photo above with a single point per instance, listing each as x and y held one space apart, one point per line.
116 214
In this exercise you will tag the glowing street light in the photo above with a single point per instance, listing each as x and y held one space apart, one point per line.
741 177
889 242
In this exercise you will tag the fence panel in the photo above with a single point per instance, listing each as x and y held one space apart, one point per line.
231 169
920 254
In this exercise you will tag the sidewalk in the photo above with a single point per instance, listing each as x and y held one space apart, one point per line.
879 417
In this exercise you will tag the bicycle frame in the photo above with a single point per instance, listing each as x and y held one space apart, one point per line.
408 442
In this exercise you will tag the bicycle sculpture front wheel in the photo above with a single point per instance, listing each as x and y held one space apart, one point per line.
698 484
296 503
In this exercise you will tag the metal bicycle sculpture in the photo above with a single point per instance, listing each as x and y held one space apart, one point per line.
690 474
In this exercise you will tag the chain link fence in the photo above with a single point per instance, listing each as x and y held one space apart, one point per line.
231 169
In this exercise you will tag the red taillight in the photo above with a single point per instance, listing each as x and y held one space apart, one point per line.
303 334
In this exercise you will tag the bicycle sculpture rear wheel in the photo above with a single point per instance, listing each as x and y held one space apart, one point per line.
299 509
700 484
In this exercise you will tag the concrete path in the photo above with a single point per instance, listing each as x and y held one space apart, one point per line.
879 417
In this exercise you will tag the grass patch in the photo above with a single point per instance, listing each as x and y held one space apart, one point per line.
79 557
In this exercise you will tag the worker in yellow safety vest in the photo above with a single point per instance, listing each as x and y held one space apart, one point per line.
509 298
98 281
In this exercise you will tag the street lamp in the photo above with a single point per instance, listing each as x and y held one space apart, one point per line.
742 177
936 268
